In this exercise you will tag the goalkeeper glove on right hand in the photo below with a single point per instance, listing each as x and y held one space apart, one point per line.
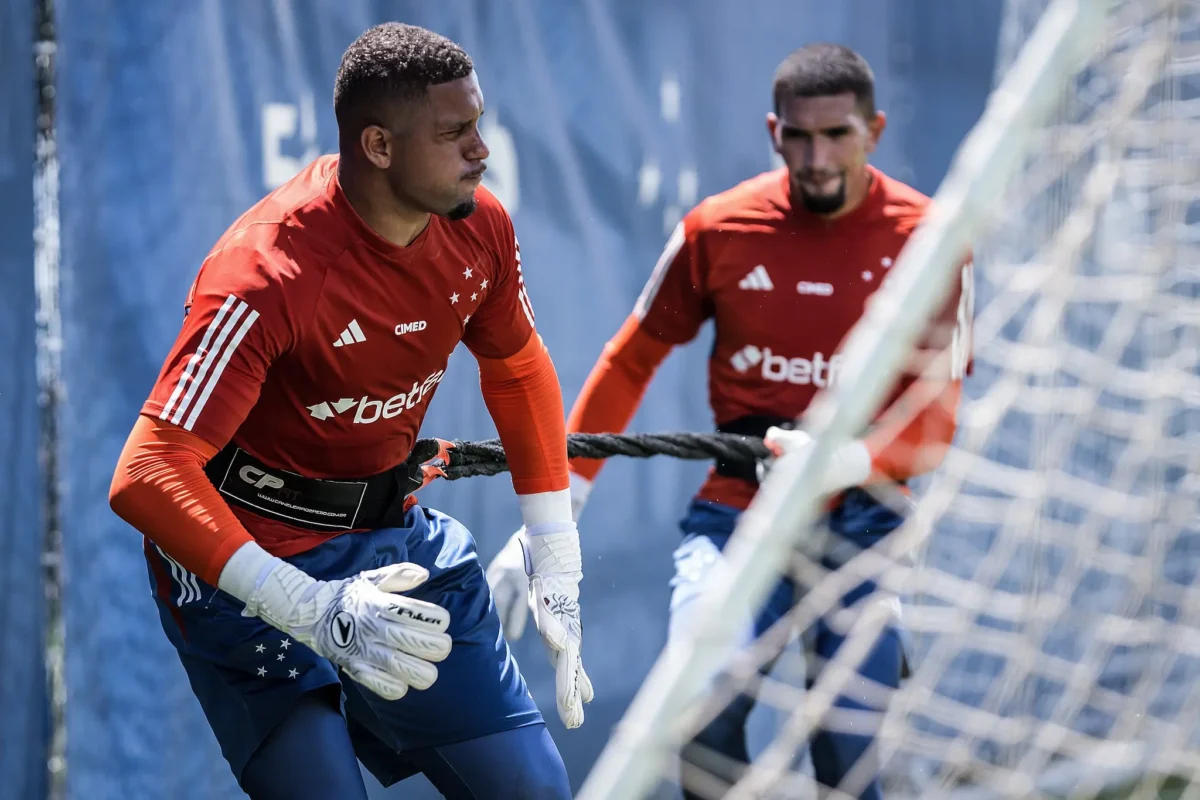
542 572
556 568
508 572
381 639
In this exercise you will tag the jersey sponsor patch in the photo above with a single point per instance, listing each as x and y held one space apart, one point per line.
817 370
368 409
411 327
819 289
287 497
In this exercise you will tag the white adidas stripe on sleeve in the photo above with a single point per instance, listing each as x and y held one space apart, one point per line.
650 291
213 326
206 365
216 376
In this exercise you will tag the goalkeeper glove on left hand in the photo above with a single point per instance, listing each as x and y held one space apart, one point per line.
849 466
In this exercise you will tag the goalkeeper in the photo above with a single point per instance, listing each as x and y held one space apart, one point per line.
323 617
784 264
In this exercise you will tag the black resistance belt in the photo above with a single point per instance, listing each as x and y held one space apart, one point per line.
319 504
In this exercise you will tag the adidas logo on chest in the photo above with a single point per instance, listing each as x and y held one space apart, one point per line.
351 334
757 280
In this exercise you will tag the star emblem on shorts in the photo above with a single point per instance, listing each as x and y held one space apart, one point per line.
474 297
484 284
454 298
292 673
258 648
467 272
262 672
466 319
279 657
285 644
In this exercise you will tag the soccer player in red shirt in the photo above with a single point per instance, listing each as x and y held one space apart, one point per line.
783 264
270 469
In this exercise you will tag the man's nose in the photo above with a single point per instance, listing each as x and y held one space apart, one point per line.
477 150
820 154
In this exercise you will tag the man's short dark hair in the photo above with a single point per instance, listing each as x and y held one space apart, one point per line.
820 70
392 62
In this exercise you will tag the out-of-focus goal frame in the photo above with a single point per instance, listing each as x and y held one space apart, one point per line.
788 503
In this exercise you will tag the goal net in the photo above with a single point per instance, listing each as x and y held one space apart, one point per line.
1049 569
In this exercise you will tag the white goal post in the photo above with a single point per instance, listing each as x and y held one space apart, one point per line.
1084 172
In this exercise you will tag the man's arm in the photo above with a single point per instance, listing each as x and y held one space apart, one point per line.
522 394
669 312
614 388
237 325
520 389
160 488
915 432
524 399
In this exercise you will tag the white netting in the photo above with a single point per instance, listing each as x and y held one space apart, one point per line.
1054 604
1050 571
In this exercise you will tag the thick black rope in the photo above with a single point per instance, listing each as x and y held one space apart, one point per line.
469 459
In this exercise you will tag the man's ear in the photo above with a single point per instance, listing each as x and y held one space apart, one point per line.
875 130
376 143
772 127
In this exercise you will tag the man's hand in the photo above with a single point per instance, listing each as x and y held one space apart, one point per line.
508 573
556 568
849 466
541 571
383 640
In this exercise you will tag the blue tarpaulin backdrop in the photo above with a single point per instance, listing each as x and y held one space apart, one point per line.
24 717
607 120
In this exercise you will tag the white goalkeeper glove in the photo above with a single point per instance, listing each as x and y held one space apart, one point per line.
850 465
383 640
508 576
555 569
540 569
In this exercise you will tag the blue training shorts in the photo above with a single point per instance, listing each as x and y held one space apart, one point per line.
247 675
857 523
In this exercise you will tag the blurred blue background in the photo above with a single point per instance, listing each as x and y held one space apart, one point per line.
24 721
607 120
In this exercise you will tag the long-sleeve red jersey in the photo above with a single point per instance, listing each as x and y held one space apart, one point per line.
783 288
316 346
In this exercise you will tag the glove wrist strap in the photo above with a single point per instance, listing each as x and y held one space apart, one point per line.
245 571
284 598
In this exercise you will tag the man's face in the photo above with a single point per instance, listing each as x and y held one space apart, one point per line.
825 142
437 154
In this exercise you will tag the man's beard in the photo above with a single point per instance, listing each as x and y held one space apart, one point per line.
463 210
824 203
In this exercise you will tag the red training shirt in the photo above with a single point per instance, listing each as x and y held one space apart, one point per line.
316 345
783 288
